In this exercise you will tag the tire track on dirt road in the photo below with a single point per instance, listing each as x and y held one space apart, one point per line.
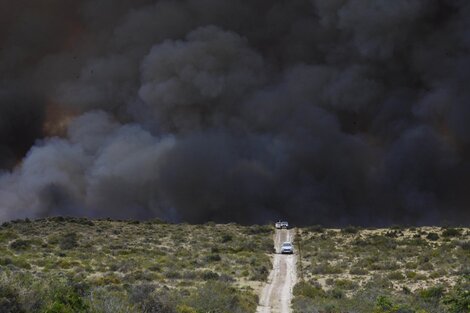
276 295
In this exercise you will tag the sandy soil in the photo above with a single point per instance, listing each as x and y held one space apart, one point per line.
277 293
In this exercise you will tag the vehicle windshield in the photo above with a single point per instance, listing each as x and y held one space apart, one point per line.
286 244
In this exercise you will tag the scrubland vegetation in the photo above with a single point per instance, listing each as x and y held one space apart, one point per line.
79 265
400 270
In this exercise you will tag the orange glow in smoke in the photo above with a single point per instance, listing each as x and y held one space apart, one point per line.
57 120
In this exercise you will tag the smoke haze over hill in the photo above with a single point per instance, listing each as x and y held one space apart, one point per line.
319 111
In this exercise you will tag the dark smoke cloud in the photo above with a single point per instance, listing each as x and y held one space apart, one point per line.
321 111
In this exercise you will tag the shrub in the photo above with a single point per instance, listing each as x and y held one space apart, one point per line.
69 241
432 293
426 266
307 290
66 299
465 245
411 265
326 268
260 273
22 263
9 300
20 244
189 275
336 293
213 258
5 261
218 296
226 238
438 273
458 300
226 278
385 305
139 293
451 232
316 229
156 305
420 276
57 219
209 275
258 229
172 274
148 301
432 236
396 276
381 266
350 230
358 271
410 274
345 284
182 308
381 242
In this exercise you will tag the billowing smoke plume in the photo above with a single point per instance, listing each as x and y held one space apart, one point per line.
319 111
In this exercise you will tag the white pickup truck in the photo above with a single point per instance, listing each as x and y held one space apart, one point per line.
282 224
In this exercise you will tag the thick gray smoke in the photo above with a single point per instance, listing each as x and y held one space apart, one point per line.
319 111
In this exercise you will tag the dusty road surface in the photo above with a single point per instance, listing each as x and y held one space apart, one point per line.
277 293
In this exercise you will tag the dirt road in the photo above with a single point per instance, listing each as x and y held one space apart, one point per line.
277 293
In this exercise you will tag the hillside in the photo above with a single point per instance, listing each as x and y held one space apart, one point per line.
79 265
69 264
384 270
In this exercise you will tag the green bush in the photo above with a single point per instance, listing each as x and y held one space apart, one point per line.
213 258
260 273
451 232
385 305
226 238
350 230
316 229
209 275
5 261
396 276
172 274
345 284
410 274
258 229
9 300
68 241
465 245
325 268
336 293
432 236
358 271
432 293
183 308
220 297
20 244
307 290
458 300
66 299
